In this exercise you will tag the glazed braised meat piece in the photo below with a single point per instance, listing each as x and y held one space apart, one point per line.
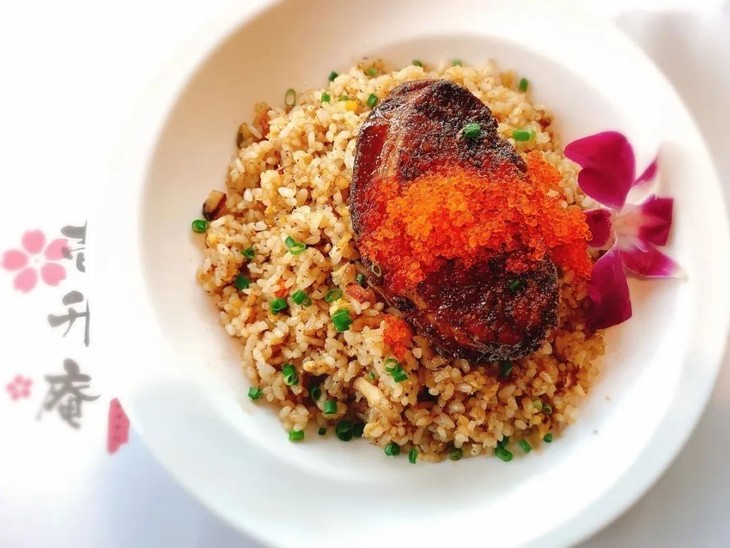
480 312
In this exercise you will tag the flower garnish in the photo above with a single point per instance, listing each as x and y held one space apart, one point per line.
630 232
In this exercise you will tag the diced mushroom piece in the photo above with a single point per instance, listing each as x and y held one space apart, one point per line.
213 204
361 322
244 135
372 394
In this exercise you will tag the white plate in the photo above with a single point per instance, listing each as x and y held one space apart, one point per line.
179 374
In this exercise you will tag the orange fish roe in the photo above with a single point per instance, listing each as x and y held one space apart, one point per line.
398 335
459 213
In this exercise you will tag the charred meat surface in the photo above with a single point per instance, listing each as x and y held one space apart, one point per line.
484 312
481 311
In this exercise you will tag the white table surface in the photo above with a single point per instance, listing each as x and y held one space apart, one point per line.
69 75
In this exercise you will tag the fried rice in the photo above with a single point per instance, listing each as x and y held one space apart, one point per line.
290 179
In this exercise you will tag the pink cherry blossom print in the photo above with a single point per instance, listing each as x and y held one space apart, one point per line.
52 273
14 260
33 241
118 427
19 387
36 256
55 250
25 281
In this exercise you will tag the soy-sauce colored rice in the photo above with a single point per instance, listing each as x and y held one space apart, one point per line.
290 178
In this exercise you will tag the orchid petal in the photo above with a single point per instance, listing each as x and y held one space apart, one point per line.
649 222
33 241
14 259
55 250
608 166
26 280
649 173
53 273
657 213
644 260
600 223
609 292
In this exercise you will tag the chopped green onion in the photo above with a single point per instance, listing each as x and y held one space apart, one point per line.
296 435
333 294
524 82
249 253
333 75
343 98
472 130
372 100
515 284
416 63
358 429
547 408
525 445
361 280
505 368
503 454
523 134
315 393
278 305
371 375
343 430
325 97
456 63
342 320
290 375
537 405
392 449
372 71
396 370
254 393
504 441
241 282
200 226
548 437
290 97
413 455
375 269
322 431
330 407
294 247
301 298
456 454
400 377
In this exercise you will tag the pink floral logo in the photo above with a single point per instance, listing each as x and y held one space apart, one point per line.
36 256
19 387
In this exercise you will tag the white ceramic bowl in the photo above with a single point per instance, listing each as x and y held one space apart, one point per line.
178 373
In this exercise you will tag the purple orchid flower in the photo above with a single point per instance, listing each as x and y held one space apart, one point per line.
631 233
